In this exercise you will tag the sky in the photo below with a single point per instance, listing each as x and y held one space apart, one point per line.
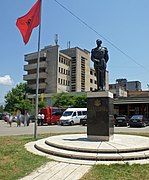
122 25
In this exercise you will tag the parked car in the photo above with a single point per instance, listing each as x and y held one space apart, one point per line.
121 120
1 116
5 116
138 121
72 116
83 121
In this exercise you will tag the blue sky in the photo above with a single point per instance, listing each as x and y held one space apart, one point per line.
125 23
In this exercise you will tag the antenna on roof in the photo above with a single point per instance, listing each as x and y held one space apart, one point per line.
56 39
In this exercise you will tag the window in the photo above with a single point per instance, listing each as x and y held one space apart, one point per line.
61 60
74 114
91 81
79 113
59 69
58 80
91 72
84 112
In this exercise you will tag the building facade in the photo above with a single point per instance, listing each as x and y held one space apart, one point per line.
137 102
126 85
65 70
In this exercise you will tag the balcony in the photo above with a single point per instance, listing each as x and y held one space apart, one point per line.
42 75
41 86
32 56
34 66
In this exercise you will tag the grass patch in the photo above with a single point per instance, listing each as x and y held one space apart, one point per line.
119 171
15 160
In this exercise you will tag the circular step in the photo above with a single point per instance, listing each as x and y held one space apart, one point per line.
77 146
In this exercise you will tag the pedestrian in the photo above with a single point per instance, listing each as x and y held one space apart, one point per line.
7 118
19 120
27 119
39 119
42 119
10 120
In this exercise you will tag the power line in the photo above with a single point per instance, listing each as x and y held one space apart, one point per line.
111 43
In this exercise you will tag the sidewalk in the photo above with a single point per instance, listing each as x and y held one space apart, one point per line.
58 171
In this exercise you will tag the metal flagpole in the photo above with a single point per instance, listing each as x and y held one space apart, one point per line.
37 77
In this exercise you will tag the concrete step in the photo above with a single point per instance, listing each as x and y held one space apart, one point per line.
99 149
94 156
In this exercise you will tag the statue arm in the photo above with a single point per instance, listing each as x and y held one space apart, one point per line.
106 56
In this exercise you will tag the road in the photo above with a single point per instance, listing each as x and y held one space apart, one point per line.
6 130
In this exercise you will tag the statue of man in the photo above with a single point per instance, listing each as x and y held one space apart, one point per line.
99 56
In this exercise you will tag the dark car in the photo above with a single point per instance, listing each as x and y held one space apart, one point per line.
138 121
1 116
121 120
83 121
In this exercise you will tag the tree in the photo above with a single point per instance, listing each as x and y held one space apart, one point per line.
80 101
42 104
16 99
1 109
69 100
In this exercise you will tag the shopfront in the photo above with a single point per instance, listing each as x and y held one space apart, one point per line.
131 106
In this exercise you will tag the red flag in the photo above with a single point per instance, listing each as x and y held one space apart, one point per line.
29 21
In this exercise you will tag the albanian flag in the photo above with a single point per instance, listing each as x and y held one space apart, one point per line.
29 21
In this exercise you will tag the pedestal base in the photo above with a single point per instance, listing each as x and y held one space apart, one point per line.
100 124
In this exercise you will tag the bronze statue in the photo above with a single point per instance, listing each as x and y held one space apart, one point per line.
99 56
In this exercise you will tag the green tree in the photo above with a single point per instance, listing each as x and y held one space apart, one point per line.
16 99
1 109
42 104
62 100
68 100
80 101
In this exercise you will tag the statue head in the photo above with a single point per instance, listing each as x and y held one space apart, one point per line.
98 42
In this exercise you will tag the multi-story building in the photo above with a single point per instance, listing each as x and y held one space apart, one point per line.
126 85
65 70
121 87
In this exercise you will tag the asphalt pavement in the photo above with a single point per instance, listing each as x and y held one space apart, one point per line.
6 130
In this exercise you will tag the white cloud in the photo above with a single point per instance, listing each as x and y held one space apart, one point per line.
6 80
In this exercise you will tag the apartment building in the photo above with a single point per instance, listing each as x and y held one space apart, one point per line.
126 85
65 70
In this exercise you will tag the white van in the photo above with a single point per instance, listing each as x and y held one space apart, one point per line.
72 116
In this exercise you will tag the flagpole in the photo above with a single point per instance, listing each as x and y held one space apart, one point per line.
37 78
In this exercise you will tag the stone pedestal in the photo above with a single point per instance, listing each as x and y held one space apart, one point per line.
100 124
